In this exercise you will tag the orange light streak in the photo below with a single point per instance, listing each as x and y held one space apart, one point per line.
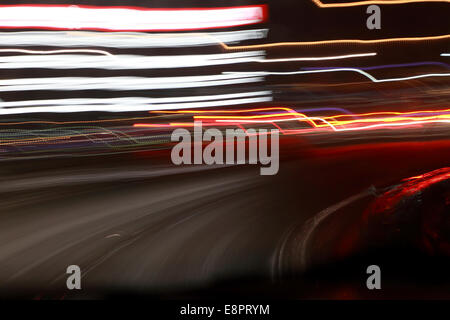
336 41
376 119
320 4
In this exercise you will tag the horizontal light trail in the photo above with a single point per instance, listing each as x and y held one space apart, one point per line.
359 121
341 129
405 119
309 119
396 113
72 17
128 100
145 40
367 75
320 4
347 56
266 109
386 66
358 118
445 54
124 83
292 112
49 60
106 53
122 62
125 39
126 104
335 41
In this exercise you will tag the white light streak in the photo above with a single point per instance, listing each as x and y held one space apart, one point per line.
347 56
124 83
106 53
120 18
126 104
125 39
367 75
121 62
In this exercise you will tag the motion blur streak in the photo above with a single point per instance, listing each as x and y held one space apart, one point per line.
402 119
367 3
128 100
118 62
122 18
337 41
367 75
134 104
356 55
244 110
125 39
106 53
398 65
124 83
123 62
